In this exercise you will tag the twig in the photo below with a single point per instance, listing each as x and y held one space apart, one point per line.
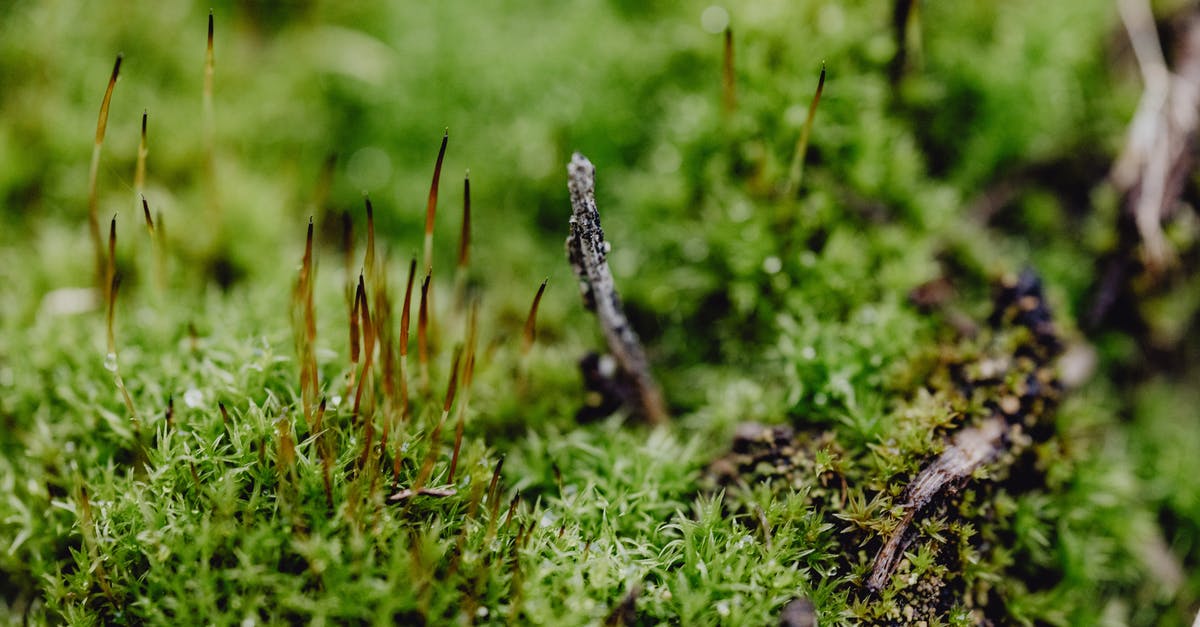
1158 156
1019 303
969 449
1151 171
587 252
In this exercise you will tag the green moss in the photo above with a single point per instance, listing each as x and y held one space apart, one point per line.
798 314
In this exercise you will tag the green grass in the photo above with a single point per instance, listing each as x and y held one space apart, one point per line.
753 307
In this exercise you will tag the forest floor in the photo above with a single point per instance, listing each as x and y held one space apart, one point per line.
888 313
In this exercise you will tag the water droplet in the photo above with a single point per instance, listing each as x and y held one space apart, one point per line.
110 362
714 19
607 366
740 211
772 264
193 397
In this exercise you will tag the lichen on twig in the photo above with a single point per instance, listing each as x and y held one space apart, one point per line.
587 252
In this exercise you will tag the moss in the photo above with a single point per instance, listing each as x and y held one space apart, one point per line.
797 314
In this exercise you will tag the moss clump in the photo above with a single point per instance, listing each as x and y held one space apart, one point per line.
955 538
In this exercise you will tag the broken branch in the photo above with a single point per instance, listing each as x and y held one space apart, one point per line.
587 252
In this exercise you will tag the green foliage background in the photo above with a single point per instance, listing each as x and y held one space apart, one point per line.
753 307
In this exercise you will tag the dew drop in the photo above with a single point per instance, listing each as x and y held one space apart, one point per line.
714 19
772 264
193 397
110 362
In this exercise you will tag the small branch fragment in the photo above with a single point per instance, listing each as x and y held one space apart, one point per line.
1152 170
587 252
1016 407
439 492
969 449
1158 157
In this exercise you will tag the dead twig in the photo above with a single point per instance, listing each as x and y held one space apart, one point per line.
969 449
1150 173
1019 303
587 252
1158 157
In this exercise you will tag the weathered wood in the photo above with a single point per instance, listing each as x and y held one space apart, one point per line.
1159 155
969 449
587 251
